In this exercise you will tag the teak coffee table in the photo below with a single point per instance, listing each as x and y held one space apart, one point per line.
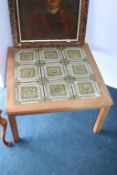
103 102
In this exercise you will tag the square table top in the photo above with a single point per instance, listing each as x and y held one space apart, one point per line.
46 80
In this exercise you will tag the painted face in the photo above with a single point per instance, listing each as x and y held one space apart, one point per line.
54 2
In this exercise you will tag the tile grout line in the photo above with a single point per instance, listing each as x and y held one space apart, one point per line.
40 54
62 50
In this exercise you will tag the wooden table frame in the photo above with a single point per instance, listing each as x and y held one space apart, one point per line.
103 102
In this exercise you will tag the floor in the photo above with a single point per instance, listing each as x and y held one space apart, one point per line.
62 144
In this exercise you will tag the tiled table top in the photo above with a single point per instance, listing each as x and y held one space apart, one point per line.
52 74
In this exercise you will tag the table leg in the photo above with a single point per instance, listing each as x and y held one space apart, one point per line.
100 119
3 123
14 130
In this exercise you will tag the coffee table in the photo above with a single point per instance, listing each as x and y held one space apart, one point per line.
103 102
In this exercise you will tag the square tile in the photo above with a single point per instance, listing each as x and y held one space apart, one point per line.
26 73
79 70
85 89
29 93
26 56
58 90
73 54
53 71
50 55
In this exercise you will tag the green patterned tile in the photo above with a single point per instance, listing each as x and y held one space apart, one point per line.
29 93
26 56
79 70
73 54
25 73
53 71
85 89
51 55
58 90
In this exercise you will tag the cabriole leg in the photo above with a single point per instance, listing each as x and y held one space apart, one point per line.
3 123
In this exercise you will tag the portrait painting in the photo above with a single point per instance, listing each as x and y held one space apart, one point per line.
43 20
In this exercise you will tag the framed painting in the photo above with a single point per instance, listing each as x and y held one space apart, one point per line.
48 22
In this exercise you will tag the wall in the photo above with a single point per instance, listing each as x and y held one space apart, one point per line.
102 25
101 36
5 38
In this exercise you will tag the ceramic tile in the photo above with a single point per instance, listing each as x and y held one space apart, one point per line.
29 93
50 55
26 56
79 70
26 73
85 89
53 71
58 90
73 54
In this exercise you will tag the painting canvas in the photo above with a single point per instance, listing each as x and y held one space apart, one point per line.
43 20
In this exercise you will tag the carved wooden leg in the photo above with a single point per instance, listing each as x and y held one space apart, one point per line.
14 130
100 119
3 123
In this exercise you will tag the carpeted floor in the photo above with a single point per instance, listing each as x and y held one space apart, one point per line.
62 144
